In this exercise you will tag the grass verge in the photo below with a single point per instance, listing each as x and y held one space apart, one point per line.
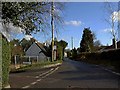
33 66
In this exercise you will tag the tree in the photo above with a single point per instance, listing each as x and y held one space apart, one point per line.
26 43
74 53
97 45
30 16
112 19
86 44
15 42
63 44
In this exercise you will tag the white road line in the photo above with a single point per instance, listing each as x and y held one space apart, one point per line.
46 74
50 72
37 77
111 71
26 86
108 70
33 83
38 80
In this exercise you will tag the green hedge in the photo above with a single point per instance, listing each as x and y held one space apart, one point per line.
106 58
5 61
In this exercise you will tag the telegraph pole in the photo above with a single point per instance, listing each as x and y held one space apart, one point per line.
72 42
52 27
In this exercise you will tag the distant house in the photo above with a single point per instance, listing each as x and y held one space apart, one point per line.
37 50
65 54
111 47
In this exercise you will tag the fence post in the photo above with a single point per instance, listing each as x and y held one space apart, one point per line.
29 58
15 60
37 59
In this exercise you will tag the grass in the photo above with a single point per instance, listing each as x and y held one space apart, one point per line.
34 66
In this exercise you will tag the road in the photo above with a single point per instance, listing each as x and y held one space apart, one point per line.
71 74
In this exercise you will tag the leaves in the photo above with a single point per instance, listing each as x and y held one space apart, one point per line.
31 16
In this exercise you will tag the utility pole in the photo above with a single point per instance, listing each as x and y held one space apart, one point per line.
72 45
52 27
72 42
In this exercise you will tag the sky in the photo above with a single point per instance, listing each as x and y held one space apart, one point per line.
81 15
77 16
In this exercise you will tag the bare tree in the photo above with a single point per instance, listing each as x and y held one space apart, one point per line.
112 19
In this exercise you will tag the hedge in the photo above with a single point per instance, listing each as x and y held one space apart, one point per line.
106 58
5 61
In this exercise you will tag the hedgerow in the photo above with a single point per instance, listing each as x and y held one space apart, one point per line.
5 61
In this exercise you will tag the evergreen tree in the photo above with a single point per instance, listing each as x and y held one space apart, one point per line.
87 44
74 53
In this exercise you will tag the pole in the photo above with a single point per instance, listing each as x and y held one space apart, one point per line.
52 27
72 42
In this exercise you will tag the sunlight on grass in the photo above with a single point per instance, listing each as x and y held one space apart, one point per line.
34 66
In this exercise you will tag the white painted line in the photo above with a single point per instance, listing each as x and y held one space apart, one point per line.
37 77
45 75
33 83
26 86
108 70
38 80
50 72
111 71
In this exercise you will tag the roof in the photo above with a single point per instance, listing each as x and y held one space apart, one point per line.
43 48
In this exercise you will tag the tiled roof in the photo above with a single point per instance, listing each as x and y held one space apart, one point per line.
42 47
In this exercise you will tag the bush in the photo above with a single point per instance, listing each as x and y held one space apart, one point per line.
5 62
106 58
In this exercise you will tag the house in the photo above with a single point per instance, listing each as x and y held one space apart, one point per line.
37 50
111 47
65 54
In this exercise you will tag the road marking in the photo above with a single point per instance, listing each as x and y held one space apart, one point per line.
26 86
38 80
112 71
37 77
33 83
50 72
46 74
108 70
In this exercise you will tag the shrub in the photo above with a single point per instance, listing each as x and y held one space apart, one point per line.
106 58
5 61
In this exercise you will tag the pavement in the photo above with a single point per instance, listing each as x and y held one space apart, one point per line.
71 74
